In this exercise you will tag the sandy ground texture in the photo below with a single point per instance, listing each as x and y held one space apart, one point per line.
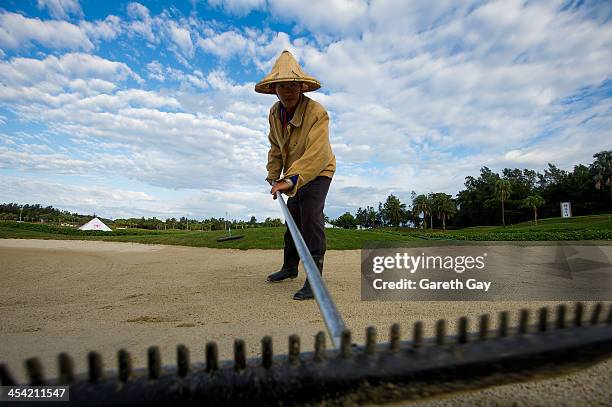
77 296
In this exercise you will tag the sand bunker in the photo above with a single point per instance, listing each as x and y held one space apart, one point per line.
77 296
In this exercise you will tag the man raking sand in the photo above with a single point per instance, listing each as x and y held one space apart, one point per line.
300 149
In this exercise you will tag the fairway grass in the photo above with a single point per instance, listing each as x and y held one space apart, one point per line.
254 238
595 228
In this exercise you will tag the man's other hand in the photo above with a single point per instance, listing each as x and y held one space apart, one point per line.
279 186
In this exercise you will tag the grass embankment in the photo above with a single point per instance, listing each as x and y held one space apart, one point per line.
594 228
256 238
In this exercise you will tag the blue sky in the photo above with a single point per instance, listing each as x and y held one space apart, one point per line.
148 109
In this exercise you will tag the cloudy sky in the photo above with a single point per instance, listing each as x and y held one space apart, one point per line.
148 109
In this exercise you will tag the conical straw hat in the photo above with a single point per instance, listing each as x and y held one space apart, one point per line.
286 69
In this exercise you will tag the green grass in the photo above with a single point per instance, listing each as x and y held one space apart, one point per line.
599 222
593 227
587 228
257 238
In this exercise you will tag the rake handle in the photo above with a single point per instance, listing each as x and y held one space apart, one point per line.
333 320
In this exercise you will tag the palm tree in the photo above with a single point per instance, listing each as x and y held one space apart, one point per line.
502 192
533 202
601 169
444 206
394 210
420 204
430 203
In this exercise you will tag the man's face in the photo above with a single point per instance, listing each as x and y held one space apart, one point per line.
288 93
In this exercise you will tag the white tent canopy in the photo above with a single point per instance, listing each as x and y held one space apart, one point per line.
95 224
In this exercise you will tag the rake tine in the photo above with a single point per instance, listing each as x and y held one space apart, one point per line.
417 335
596 313
182 360
6 378
578 314
561 316
35 371
239 355
483 330
394 337
124 362
320 352
96 373
370 345
294 350
504 318
212 357
267 354
154 362
66 368
440 332
524 321
543 319
345 344
462 330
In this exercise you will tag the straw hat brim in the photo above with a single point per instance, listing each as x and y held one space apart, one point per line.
266 86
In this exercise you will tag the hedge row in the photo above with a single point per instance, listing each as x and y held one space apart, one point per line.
585 234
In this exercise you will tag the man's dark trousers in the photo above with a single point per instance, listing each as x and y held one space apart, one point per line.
306 208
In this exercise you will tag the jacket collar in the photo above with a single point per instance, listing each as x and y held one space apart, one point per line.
298 115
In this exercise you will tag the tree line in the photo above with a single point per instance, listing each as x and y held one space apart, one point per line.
49 214
184 223
44 214
491 199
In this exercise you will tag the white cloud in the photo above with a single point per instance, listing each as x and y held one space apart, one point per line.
17 31
193 80
142 23
61 9
106 29
224 45
164 28
181 37
338 16
138 11
472 92
156 71
239 8
129 132
59 70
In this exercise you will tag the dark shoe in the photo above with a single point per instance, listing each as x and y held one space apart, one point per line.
289 269
305 293
283 274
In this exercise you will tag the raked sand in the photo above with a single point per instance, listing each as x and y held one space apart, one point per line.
77 296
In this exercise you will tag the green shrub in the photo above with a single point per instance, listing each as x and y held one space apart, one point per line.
531 235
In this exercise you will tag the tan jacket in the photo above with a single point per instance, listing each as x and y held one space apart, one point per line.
303 147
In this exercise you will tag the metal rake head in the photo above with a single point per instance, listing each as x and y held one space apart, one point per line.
373 372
